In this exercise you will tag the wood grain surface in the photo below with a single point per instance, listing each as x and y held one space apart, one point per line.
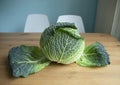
57 74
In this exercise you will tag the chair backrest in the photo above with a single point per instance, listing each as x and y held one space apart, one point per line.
36 23
77 20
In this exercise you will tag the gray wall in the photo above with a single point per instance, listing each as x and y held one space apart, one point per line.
116 22
105 16
13 13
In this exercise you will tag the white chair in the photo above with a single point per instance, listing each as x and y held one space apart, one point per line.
36 23
77 20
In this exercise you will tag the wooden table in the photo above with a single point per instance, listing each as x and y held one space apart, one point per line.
57 74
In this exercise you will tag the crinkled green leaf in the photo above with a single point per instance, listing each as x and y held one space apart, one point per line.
94 55
25 60
62 43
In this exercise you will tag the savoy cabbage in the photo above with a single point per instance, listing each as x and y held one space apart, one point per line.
62 43
59 43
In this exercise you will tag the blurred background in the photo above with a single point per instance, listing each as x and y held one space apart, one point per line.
97 15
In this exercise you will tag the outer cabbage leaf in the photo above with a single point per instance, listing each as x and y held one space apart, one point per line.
25 60
94 55
62 43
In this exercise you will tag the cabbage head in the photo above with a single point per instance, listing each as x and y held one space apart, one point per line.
62 43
